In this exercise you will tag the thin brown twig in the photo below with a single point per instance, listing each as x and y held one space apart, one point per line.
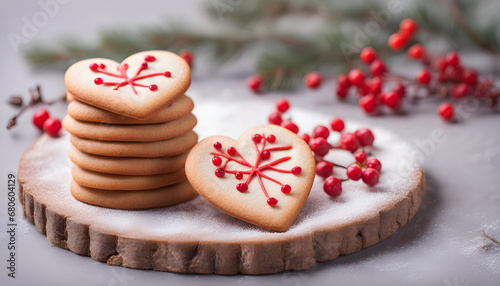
36 99
491 238
461 22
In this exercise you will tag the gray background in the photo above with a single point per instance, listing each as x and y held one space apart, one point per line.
443 244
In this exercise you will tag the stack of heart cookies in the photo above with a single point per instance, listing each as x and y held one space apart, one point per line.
131 130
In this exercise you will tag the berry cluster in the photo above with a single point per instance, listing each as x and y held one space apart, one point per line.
358 143
44 122
440 77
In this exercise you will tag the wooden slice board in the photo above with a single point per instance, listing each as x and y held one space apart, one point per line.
196 237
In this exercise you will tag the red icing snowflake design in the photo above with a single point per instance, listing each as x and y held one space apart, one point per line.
122 69
254 170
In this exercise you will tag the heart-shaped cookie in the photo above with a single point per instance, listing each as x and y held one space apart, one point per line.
138 87
264 178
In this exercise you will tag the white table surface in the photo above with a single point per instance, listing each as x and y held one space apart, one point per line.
442 245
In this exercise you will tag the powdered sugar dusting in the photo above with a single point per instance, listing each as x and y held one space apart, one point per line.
46 172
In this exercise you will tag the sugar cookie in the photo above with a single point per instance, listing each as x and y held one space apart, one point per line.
141 133
84 112
118 199
127 165
139 87
123 182
169 147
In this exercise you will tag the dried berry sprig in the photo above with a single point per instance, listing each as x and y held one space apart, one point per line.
491 238
36 98
358 143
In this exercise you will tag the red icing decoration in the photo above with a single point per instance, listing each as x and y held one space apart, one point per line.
271 138
255 169
220 172
272 201
242 187
216 160
122 69
149 58
238 175
217 145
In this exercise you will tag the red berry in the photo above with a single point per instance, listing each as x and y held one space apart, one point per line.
272 201
349 141
368 55
187 56
416 51
460 90
98 81
353 172
265 155
153 87
341 92
219 172
368 103
365 136
343 81
397 42
217 145
378 67
363 89
286 189
275 118
319 146
306 137
392 99
408 26
375 164
399 89
332 186
231 151
381 98
446 111
296 170
254 83
144 65
324 169
337 124
167 74
271 138
470 77
452 59
256 138
370 176
93 66
424 76
39 118
321 131
290 126
52 126
238 175
356 77
440 64
282 105
149 58
216 160
313 80
376 85
242 187
360 157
